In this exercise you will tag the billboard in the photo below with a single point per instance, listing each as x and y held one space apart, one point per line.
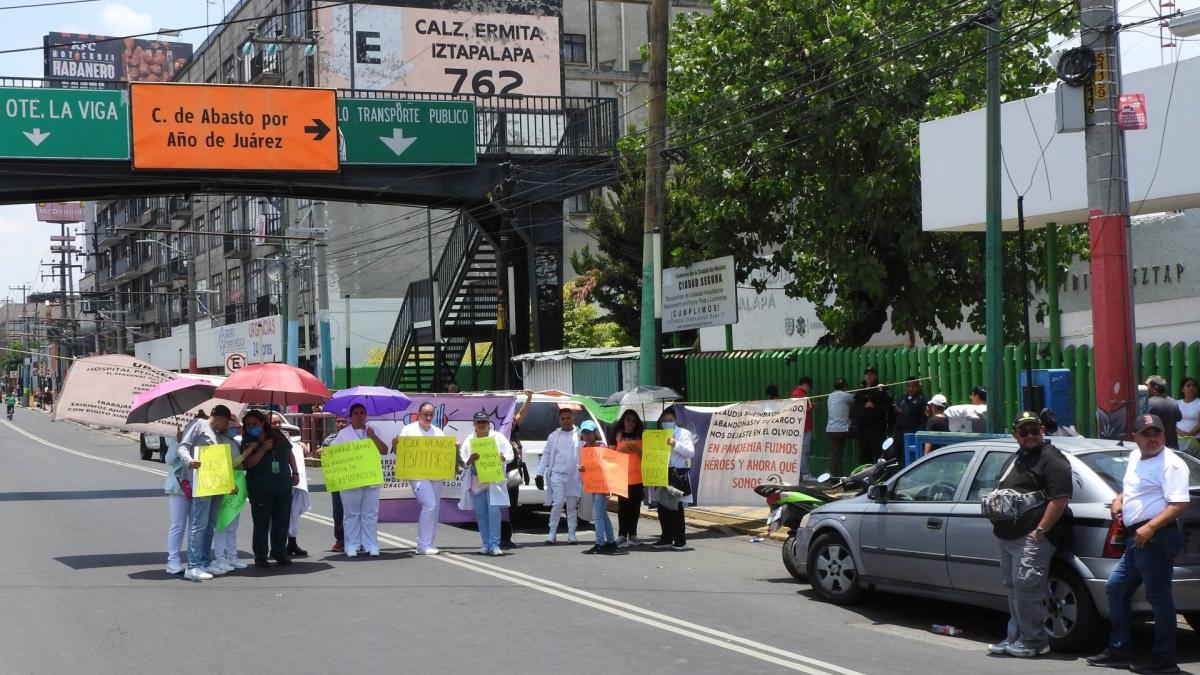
81 57
60 212
504 48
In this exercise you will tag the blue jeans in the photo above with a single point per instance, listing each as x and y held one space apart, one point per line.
604 528
488 517
1151 566
200 535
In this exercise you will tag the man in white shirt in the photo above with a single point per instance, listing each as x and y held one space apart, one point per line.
1153 496
428 492
559 467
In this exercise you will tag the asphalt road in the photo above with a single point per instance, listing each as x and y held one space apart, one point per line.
83 589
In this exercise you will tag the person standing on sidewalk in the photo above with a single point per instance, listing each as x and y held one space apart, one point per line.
837 428
872 416
803 390
202 432
1037 482
1154 494
910 412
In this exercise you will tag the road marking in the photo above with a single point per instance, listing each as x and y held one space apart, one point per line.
664 622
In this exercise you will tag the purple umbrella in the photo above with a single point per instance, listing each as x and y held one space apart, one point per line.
377 400
168 399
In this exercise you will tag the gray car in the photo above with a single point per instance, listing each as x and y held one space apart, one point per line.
923 533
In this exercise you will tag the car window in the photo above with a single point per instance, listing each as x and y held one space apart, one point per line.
988 475
934 480
541 419
1110 466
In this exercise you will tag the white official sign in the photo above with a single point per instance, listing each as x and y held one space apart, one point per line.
700 295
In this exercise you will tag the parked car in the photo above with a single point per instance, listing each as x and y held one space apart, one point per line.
922 533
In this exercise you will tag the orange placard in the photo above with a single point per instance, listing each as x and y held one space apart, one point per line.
633 450
216 126
605 471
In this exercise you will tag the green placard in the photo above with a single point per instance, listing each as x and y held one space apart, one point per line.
489 468
232 504
43 123
351 465
656 455
426 458
394 132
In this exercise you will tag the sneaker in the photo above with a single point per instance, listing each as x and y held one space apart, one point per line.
283 560
483 550
215 570
1156 664
337 547
223 565
236 564
508 545
551 540
497 552
621 541
624 543
428 551
661 544
634 541
1111 658
175 568
593 550
1023 652
352 554
374 553
1000 647
262 562
572 539
196 574
611 548
684 547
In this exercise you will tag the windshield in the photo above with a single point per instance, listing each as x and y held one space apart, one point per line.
1110 465
541 419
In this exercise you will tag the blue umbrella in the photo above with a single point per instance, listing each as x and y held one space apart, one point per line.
377 400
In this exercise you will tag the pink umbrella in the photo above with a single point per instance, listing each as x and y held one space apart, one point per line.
168 399
273 384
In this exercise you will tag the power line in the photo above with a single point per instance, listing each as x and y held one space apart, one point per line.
48 4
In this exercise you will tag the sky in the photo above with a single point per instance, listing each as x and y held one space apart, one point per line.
24 243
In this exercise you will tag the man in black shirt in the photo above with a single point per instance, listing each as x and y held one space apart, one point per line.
872 415
910 411
1041 473
1167 408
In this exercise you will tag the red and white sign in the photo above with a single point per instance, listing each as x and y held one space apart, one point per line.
234 362
60 212
1131 112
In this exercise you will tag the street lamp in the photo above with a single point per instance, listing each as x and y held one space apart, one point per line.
190 261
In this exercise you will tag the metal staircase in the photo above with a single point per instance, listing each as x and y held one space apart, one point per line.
466 277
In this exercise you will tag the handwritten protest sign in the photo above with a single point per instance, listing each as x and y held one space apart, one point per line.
215 475
748 444
655 456
633 451
232 504
605 471
351 465
488 467
425 458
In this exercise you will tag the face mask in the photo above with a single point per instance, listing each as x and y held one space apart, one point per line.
668 426
254 432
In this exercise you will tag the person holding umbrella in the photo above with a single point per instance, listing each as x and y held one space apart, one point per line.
270 474
485 498
360 506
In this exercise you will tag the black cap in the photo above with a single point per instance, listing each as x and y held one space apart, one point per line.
482 417
1145 422
870 369
1026 418
221 411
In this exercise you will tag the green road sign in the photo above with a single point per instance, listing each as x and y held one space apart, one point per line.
42 123
381 131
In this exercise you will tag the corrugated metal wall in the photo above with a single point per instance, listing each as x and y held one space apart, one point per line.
595 378
542 375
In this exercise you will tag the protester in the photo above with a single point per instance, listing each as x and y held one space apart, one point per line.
872 416
204 511
606 540
271 473
178 488
910 411
486 499
1165 407
802 390
1154 494
1188 425
428 492
339 532
1036 486
671 519
975 411
558 475
360 506
937 420
300 499
837 427
628 439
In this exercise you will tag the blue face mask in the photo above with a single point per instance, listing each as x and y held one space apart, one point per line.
254 432
668 425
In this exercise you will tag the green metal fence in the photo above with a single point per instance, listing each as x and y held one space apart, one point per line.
952 370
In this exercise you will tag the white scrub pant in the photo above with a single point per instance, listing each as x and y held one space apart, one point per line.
558 498
429 496
360 519
180 508
300 505
225 541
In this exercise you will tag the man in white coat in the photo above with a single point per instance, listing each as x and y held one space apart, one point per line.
558 470
428 492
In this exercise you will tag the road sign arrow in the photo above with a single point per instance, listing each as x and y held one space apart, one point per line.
320 129
36 136
397 143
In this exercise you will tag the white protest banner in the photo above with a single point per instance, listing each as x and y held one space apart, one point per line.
749 444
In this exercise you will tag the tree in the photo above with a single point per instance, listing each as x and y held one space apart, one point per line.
799 121
582 326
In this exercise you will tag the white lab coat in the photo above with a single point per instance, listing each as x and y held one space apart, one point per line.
681 457
497 492
560 462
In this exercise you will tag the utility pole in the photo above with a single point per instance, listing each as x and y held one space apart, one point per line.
190 261
994 274
27 380
1108 226
323 301
656 179
347 323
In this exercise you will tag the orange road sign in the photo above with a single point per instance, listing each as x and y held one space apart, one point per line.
216 126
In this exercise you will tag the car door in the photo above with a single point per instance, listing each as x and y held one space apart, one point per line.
904 538
972 553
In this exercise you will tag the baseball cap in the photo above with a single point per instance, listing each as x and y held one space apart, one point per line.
221 411
939 400
1026 418
482 417
1145 422
587 425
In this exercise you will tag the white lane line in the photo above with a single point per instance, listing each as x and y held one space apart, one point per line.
670 624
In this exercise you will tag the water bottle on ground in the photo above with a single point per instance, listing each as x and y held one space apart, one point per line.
945 629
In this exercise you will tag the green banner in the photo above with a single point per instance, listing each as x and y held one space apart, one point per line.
215 475
656 455
351 465
489 467
232 504
426 458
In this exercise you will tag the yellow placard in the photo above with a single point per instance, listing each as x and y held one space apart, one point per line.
215 475
425 458
604 471
488 467
655 457
351 465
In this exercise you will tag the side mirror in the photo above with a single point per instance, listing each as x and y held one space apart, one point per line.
878 493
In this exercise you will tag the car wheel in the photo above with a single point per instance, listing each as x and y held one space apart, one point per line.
1072 619
832 570
789 558
147 453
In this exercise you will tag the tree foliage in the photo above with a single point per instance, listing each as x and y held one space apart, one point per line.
582 325
800 120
